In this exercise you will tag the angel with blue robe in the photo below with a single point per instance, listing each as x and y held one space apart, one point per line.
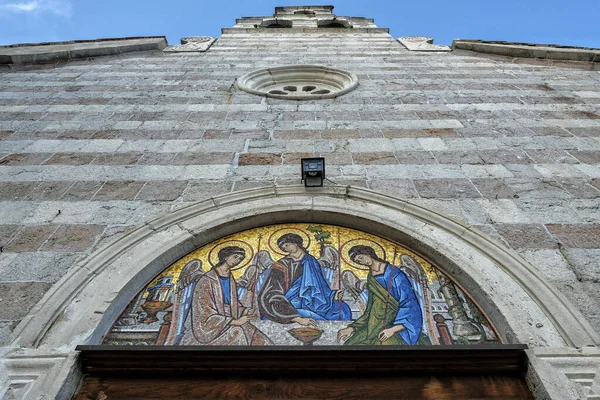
296 290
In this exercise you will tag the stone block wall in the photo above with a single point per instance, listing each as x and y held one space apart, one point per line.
90 149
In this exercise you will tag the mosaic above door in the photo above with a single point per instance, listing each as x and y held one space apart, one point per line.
295 284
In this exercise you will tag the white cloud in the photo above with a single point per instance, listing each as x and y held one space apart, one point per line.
23 6
62 8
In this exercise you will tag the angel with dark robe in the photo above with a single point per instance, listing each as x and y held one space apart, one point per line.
253 279
296 289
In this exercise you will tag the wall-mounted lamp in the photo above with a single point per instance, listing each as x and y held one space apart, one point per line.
313 171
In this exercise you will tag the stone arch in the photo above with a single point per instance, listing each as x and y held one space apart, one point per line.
523 307
494 275
334 23
276 23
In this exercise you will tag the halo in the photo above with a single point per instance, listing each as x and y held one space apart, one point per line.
345 248
213 258
279 232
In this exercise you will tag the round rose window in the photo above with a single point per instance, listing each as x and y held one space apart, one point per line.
298 82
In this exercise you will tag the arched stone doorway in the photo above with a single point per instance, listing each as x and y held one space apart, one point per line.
523 307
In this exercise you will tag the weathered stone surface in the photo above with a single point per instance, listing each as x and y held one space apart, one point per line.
156 159
162 190
201 190
30 238
49 191
125 190
24 159
295 158
537 189
18 298
504 211
375 158
243 185
119 212
457 157
117 159
6 328
189 158
7 232
72 238
191 44
16 190
53 52
445 188
493 188
71 158
37 267
422 43
585 295
588 210
551 263
415 157
260 159
501 156
12 212
577 235
529 236
82 191
340 133
580 188
400 188
549 211
551 156
527 50
585 263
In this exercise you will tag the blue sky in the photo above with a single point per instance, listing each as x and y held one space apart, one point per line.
573 23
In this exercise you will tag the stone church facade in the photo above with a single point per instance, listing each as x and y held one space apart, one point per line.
122 156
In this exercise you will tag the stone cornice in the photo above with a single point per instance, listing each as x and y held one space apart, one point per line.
60 51
528 50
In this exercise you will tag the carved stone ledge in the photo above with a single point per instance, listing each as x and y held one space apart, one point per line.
568 372
422 43
35 375
189 44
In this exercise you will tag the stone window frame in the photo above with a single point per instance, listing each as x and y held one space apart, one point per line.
298 82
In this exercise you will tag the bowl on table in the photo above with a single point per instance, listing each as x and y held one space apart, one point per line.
306 335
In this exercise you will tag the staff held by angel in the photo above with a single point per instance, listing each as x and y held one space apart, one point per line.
393 313
208 311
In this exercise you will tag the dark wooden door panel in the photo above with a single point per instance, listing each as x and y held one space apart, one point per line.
306 387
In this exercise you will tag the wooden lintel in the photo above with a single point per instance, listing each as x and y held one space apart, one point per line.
441 360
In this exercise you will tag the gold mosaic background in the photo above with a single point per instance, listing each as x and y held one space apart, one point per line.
265 238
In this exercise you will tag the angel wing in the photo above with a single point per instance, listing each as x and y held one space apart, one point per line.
418 280
330 266
357 288
253 278
191 273
189 276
